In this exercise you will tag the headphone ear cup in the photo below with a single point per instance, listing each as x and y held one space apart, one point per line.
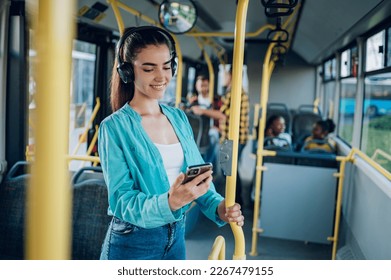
125 72
174 66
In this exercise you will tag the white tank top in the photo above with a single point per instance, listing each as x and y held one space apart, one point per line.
172 155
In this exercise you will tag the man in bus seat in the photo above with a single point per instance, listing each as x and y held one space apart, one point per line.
201 105
275 135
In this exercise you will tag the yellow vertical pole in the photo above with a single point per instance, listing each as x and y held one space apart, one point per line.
49 196
266 75
117 14
210 70
211 76
268 67
233 132
179 71
340 175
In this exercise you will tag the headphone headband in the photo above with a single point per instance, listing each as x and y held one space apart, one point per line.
125 69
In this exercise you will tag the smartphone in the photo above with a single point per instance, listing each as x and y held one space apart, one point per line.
195 170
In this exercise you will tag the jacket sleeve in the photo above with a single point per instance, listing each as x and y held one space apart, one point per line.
126 201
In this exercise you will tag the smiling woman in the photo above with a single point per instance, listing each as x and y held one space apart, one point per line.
144 147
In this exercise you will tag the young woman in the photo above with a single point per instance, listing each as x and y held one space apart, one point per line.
319 140
144 149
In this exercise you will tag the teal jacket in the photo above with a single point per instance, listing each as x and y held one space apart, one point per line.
134 173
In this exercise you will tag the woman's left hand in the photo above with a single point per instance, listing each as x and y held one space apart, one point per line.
231 214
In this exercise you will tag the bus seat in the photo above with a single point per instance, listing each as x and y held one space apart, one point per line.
12 213
322 159
90 219
302 125
309 108
200 126
196 124
87 173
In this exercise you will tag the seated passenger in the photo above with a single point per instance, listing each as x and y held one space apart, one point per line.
201 105
319 141
275 134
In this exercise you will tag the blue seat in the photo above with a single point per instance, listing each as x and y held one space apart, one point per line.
90 220
12 213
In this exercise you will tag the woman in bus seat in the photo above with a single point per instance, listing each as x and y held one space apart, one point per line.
275 135
319 140
144 149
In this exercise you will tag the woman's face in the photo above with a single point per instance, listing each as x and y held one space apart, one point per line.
278 126
317 132
152 71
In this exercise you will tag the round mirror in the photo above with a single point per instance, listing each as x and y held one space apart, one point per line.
177 16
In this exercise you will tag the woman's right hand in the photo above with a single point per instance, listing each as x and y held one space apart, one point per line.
180 194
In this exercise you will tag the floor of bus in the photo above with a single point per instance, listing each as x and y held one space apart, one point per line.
200 240
199 243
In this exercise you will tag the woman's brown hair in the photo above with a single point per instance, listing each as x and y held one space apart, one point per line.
122 93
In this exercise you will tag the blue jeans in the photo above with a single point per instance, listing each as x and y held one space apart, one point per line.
125 241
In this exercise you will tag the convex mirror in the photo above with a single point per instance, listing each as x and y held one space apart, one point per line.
177 16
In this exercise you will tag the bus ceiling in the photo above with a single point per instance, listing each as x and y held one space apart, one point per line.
313 39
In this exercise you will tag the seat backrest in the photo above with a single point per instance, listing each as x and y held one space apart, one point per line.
12 212
89 214
200 126
90 218
302 124
196 124
205 138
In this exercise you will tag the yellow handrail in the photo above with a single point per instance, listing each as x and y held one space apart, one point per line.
316 105
218 249
337 219
83 137
233 132
349 158
92 144
230 34
49 196
268 67
210 71
93 159
369 161
381 153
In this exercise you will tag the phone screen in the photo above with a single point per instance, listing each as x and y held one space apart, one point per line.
195 170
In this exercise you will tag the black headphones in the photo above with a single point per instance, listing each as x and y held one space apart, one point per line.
125 69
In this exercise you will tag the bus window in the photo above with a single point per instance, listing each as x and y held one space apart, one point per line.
347 102
327 98
345 63
376 133
347 106
375 52
389 48
82 95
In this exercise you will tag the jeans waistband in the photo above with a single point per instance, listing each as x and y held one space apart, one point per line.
120 221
